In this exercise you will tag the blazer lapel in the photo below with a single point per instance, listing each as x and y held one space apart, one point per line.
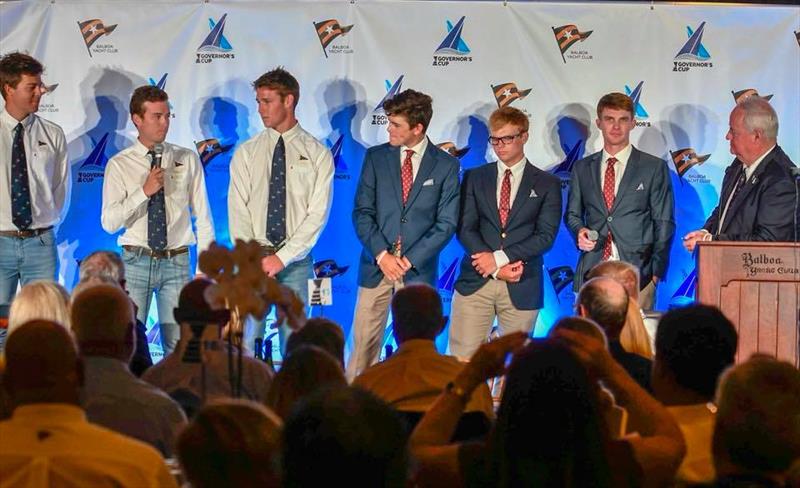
393 171
524 190
745 191
425 167
631 175
595 167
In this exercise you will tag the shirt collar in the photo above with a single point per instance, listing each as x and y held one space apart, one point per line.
139 149
287 136
418 149
622 156
11 123
749 170
516 170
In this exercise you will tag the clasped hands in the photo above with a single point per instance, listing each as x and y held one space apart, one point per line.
394 267
485 265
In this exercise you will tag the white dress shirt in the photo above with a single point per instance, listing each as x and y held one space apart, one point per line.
309 190
49 175
500 257
619 170
125 204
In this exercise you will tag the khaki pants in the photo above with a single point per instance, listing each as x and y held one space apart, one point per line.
369 324
647 296
471 317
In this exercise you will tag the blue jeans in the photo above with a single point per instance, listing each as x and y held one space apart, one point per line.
165 277
23 261
294 276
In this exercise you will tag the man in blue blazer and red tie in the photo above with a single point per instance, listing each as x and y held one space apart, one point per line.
510 213
406 211
620 204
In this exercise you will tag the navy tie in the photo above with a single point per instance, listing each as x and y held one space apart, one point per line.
21 212
276 210
156 218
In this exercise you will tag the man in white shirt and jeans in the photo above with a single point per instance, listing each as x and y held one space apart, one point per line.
36 175
151 190
281 189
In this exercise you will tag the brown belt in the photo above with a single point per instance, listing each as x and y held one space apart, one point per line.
24 234
269 250
165 254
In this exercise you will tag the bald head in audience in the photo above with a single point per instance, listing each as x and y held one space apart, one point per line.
103 322
626 273
758 419
605 301
42 365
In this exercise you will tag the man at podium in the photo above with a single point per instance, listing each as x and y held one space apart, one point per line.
757 201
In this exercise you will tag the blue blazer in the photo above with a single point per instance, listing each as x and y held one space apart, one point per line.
641 220
426 223
530 230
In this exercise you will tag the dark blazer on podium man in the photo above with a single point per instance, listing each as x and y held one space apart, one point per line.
530 230
641 219
426 223
762 210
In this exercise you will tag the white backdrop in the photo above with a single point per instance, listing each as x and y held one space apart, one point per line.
683 101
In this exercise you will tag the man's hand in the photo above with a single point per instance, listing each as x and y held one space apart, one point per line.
272 265
691 239
584 243
392 267
406 264
154 182
484 263
511 272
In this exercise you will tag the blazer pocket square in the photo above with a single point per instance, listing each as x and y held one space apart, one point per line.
533 194
640 187
428 182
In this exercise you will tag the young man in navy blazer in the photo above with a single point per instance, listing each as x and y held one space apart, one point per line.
405 212
510 213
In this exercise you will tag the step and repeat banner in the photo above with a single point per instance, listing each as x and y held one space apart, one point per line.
685 66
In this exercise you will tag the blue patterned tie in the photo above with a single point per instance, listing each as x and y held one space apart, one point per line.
276 210
22 214
156 218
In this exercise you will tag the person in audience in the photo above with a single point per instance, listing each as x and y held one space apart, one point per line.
108 265
103 324
605 301
694 345
39 300
549 428
198 371
231 443
346 437
304 371
412 378
321 332
756 439
634 336
48 440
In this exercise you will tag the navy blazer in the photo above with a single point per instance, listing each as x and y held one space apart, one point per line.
762 210
530 230
426 223
641 220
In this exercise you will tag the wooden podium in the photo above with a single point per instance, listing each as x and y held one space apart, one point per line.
757 286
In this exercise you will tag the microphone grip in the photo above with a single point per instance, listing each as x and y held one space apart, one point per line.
592 235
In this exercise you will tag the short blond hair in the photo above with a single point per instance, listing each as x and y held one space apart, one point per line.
509 115
39 300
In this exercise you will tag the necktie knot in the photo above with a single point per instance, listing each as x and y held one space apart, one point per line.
18 129
409 154
612 161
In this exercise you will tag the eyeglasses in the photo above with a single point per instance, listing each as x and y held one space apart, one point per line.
495 141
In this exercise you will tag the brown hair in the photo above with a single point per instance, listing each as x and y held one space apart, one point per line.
281 81
509 115
414 106
13 66
616 100
147 93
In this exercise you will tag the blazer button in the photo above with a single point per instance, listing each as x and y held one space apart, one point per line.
502 235
610 218
404 220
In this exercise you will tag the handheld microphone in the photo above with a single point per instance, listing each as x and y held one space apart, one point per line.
158 149
592 235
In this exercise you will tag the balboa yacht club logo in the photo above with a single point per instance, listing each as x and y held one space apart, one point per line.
742 95
507 93
215 45
566 37
327 32
392 89
92 30
452 48
210 148
685 159
693 54
46 104
95 165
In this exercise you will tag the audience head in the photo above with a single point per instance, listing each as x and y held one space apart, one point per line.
42 365
91 281
605 301
345 435
231 443
694 345
193 307
103 263
582 325
624 272
45 300
321 332
549 426
103 322
304 371
757 427
417 313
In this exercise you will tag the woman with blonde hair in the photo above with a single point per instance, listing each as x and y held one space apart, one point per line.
39 300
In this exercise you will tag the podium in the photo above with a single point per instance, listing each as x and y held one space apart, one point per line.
757 286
